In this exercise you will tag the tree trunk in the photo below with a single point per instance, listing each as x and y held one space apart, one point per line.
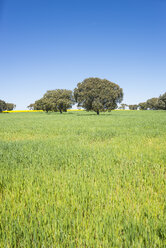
60 111
97 112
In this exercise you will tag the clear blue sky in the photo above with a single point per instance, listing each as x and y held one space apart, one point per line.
50 44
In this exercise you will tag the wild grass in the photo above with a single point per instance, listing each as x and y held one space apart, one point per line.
82 180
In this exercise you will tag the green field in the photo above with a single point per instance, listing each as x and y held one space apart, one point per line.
82 180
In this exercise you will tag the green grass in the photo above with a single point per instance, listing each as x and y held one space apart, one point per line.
82 180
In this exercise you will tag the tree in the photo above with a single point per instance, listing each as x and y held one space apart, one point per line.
43 104
60 99
143 106
133 107
152 103
31 106
55 100
3 106
162 101
10 106
123 106
98 94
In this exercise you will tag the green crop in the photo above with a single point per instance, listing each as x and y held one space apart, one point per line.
82 180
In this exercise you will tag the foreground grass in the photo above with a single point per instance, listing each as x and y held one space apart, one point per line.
82 180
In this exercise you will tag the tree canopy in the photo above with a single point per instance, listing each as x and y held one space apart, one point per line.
6 106
54 100
10 106
133 107
2 105
98 94
142 106
152 103
162 101
123 106
155 103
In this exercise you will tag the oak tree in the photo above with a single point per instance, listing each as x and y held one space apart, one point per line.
152 103
162 101
133 107
10 106
143 106
98 94
2 105
55 100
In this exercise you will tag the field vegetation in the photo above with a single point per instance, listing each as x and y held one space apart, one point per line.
82 180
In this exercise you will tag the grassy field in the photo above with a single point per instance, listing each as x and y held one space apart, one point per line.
82 180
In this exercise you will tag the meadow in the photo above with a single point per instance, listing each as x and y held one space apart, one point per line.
82 180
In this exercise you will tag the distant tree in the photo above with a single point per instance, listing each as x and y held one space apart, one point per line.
31 106
143 106
59 100
162 101
133 107
43 104
123 106
3 106
152 103
10 106
98 94
55 100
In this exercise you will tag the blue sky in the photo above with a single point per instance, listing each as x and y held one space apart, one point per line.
50 44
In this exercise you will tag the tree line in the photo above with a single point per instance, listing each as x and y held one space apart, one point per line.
6 106
91 94
155 103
